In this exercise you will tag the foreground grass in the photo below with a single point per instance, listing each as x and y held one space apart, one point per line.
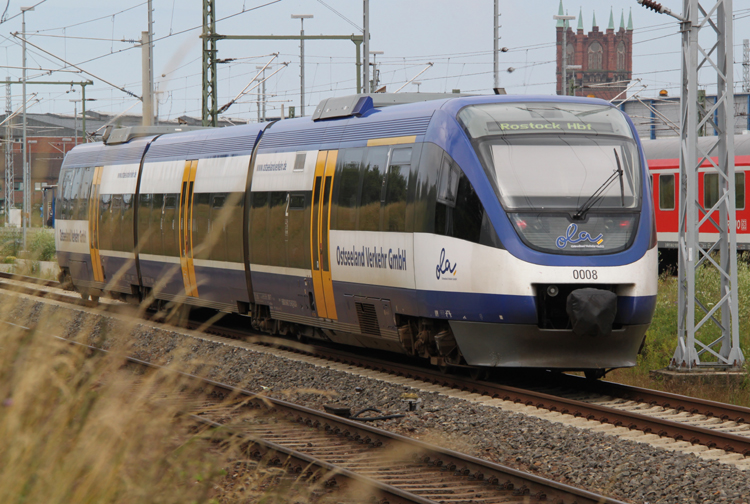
80 427
661 340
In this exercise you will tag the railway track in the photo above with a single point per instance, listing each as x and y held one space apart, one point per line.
381 466
684 419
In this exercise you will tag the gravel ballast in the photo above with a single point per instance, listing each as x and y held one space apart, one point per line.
627 470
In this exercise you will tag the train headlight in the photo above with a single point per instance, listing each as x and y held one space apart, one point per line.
553 291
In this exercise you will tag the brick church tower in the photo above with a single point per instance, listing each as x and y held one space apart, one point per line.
606 58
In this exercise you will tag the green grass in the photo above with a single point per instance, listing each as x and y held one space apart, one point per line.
661 338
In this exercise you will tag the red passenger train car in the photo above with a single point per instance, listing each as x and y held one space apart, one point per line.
663 157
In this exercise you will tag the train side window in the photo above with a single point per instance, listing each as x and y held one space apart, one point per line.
346 190
259 228
277 228
710 189
298 235
458 210
447 189
448 186
66 195
200 221
396 183
84 193
145 229
218 201
739 191
666 192
428 176
105 222
296 202
75 197
114 222
126 223
368 218
234 204
299 161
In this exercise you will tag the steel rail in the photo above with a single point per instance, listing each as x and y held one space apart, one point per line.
632 420
29 279
695 405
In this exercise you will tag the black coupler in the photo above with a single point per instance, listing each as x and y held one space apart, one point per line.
592 311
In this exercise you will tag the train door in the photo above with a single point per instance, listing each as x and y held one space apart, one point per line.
93 217
186 228
319 234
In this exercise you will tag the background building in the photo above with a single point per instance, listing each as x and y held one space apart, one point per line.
606 58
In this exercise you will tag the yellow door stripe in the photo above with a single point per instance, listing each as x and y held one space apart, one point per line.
374 142
96 260
315 237
325 226
186 229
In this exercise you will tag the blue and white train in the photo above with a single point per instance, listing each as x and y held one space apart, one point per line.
498 231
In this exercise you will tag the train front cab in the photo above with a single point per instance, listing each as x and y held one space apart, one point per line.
531 276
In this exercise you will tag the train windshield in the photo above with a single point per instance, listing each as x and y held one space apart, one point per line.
569 162
556 156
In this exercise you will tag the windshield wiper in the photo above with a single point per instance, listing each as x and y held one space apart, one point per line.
599 193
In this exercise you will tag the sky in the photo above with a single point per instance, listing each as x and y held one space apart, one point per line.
99 36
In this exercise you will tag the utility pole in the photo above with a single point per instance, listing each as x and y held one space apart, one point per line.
746 65
496 44
147 73
24 148
10 182
699 311
564 19
148 111
375 71
366 47
262 100
302 18
83 101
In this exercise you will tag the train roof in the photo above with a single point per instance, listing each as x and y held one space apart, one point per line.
408 114
669 148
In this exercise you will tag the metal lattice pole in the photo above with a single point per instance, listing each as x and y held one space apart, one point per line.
209 109
702 317
10 182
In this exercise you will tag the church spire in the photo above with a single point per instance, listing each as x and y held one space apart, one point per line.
630 19
560 12
622 20
580 19
611 25
593 23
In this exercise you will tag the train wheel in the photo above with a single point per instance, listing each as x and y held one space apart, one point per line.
84 296
594 374
479 374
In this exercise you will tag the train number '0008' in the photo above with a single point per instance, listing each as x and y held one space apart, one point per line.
585 274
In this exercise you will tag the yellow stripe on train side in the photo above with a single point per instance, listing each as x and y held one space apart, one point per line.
374 142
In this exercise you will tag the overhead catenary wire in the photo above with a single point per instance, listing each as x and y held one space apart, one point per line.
81 69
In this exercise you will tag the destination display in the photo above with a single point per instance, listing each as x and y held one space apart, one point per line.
548 126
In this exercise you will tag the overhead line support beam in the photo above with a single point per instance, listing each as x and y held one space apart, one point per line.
210 37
